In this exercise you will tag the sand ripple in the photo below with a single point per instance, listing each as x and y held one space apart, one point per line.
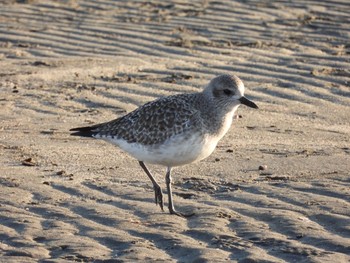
70 63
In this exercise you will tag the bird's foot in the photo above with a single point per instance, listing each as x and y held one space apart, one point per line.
174 212
159 196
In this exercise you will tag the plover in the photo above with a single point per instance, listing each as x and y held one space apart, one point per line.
175 130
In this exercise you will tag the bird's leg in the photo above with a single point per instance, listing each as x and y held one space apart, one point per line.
157 190
172 210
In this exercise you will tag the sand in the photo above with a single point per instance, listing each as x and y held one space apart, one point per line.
65 64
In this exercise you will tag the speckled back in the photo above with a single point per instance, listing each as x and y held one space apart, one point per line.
155 121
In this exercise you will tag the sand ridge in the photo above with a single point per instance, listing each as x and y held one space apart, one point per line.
69 63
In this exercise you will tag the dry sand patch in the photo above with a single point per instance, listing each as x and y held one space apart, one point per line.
70 63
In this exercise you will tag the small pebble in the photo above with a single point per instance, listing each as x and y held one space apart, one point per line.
28 162
262 167
15 90
61 173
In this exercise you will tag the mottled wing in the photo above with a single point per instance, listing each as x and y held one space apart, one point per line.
155 121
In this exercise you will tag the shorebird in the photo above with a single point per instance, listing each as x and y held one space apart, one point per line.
175 130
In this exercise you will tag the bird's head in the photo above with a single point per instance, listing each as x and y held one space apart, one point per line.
228 91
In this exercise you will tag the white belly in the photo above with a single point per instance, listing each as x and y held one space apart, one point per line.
174 152
178 150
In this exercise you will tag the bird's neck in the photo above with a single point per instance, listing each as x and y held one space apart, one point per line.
225 123
218 117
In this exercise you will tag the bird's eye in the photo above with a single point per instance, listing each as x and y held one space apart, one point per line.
227 92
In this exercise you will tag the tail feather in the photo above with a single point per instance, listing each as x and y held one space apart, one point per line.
83 131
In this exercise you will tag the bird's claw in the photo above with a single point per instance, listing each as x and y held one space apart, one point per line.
159 197
174 212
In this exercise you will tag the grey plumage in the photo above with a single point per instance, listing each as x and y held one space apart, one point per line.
155 121
182 128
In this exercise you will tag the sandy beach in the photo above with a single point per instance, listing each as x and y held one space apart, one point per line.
65 64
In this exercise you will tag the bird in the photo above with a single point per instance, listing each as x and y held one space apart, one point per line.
175 130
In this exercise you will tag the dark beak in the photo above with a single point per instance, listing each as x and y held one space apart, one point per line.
248 103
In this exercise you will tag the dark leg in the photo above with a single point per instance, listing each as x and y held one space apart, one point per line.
157 190
170 195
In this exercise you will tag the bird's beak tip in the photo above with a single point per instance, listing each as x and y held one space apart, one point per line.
248 103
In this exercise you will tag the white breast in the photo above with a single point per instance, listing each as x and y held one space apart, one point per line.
176 151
